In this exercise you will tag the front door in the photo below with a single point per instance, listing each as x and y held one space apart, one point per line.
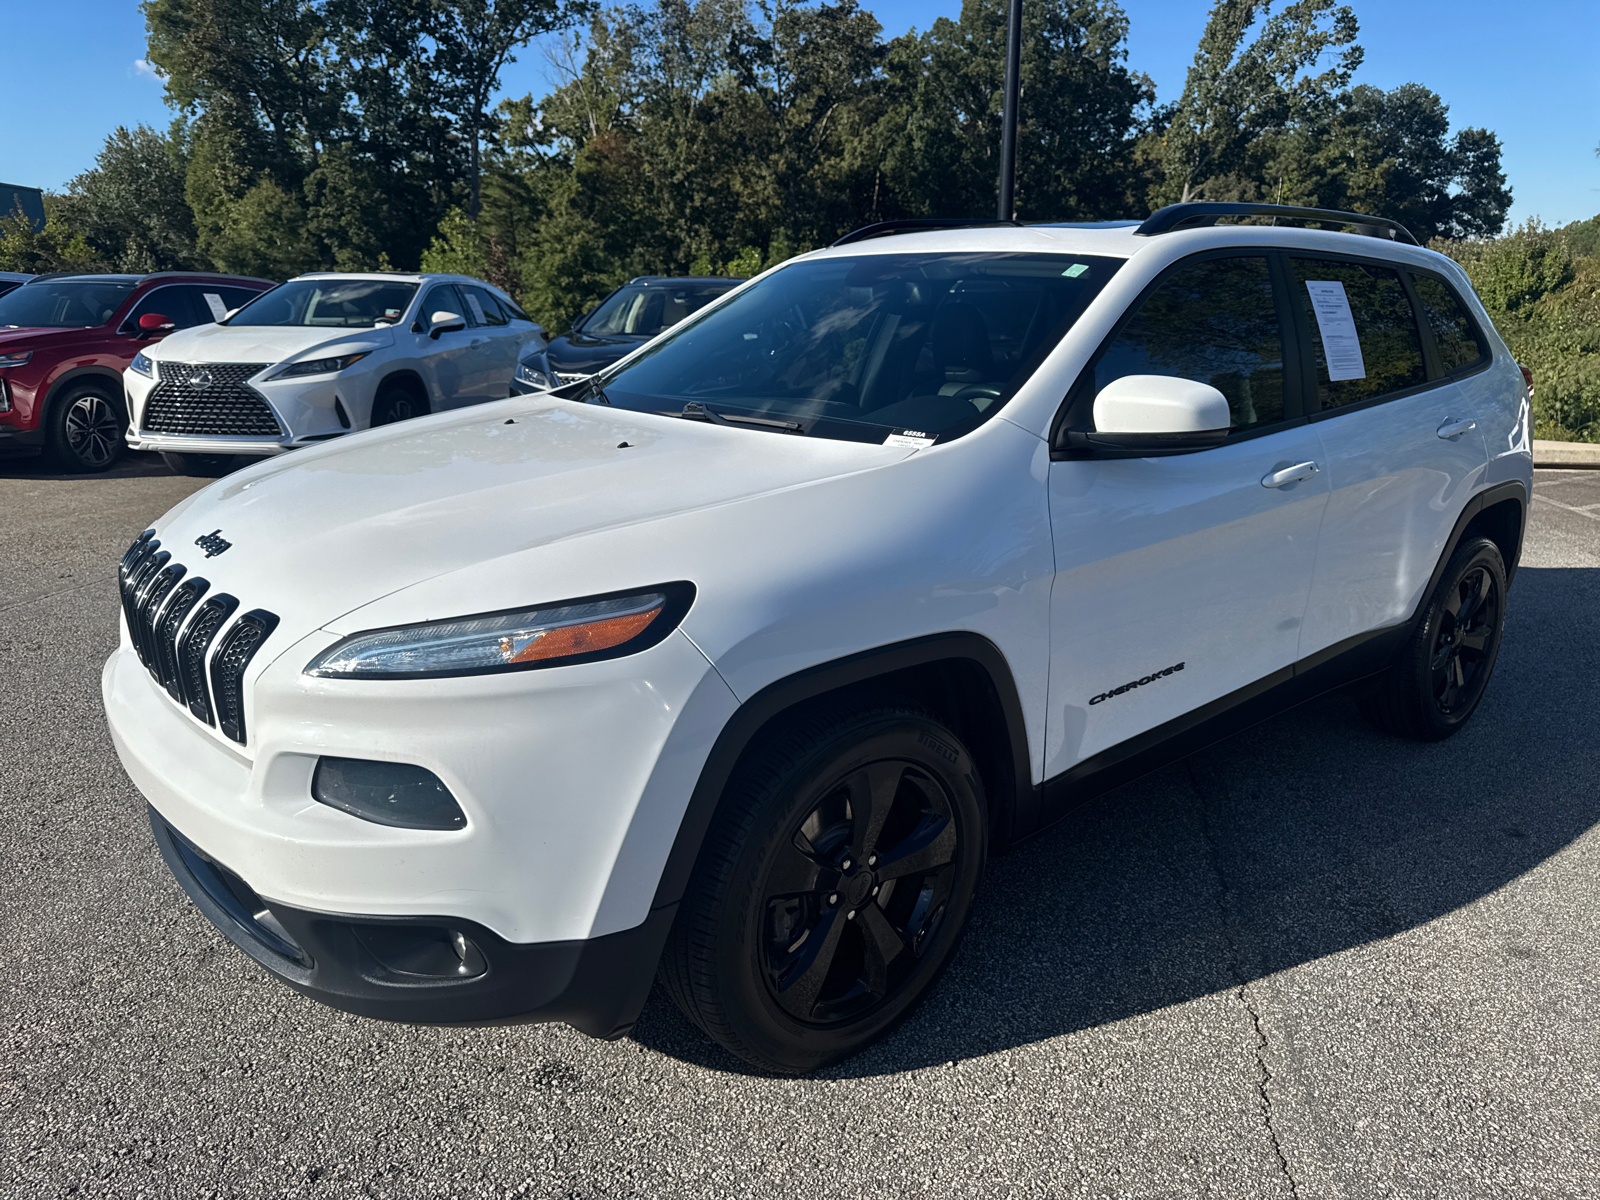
448 360
1182 579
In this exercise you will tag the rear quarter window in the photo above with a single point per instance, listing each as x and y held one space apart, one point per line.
1454 332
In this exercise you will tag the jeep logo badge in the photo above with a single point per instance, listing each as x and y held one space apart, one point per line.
212 543
200 379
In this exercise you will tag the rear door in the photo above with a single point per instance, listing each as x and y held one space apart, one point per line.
1183 579
1401 436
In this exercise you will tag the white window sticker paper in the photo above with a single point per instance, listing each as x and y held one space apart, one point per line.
908 439
215 304
477 309
1340 345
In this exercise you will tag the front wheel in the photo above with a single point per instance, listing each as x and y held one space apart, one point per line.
1441 675
400 400
84 430
834 888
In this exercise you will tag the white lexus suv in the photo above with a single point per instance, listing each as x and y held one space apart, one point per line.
321 356
735 660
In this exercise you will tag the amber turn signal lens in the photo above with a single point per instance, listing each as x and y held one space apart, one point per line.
586 639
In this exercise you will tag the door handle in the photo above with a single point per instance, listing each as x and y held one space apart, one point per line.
1454 429
1294 474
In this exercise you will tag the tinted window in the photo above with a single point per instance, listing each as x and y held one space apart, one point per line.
172 302
644 310
1363 332
857 346
1214 322
442 298
336 303
215 302
482 307
1453 331
63 304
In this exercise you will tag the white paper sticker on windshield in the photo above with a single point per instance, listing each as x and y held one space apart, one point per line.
1340 345
477 309
908 439
215 304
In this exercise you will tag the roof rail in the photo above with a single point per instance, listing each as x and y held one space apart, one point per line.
1199 213
913 224
215 274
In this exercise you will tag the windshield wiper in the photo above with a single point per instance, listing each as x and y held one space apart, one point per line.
696 411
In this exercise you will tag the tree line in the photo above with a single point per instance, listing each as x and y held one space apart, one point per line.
716 136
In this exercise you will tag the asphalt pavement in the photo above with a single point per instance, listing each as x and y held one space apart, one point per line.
1311 961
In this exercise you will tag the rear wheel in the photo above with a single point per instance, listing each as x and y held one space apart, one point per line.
200 466
399 400
84 429
1441 675
834 888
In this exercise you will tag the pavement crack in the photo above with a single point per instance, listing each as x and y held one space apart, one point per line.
1236 967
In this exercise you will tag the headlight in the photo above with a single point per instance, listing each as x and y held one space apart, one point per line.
533 377
555 635
15 360
143 365
319 366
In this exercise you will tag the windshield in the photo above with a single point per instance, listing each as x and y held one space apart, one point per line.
337 303
644 310
64 304
856 347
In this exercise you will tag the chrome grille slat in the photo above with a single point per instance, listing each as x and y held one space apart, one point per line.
225 406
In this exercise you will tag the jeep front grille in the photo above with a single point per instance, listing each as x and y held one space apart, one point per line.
208 399
173 630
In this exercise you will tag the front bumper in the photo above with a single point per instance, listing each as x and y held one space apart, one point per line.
426 970
12 437
199 444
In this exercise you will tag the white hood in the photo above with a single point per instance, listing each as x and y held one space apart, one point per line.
320 532
261 343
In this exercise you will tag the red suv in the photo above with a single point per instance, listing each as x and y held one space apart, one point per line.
65 340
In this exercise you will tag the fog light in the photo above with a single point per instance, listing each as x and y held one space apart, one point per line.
386 793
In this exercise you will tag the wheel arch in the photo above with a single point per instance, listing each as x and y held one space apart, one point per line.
963 678
64 382
1499 513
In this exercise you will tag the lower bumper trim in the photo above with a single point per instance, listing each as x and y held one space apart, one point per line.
402 968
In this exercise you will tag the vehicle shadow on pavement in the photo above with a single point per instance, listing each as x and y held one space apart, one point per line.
132 465
1303 837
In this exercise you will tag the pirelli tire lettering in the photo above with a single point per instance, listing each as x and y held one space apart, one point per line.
1128 687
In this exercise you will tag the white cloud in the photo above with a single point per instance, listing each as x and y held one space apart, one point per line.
145 71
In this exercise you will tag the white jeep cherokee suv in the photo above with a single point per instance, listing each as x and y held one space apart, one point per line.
737 659
319 357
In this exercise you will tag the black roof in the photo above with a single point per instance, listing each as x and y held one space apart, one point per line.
113 277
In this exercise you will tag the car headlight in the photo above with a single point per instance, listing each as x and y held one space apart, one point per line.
142 364
319 366
535 377
16 359
552 635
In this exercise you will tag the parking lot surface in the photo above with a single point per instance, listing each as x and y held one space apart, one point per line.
1310 961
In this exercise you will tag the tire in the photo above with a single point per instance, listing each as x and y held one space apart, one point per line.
200 466
84 429
398 401
815 923
1436 683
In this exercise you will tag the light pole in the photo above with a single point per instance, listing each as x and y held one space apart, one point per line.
1008 114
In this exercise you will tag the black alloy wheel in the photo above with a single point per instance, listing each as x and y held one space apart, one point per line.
833 887
85 431
1439 678
1469 622
858 892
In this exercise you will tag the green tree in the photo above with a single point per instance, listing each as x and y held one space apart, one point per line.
130 207
56 247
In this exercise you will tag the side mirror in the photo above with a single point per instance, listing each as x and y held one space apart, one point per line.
445 322
154 324
1155 413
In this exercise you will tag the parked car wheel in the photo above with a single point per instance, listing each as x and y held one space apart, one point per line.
399 400
1440 677
834 888
200 466
84 429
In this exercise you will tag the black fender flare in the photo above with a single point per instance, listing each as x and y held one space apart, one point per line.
66 379
754 714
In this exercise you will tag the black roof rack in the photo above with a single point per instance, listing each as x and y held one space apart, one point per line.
212 274
914 224
1199 213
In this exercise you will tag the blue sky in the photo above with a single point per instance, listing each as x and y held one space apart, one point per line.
1530 72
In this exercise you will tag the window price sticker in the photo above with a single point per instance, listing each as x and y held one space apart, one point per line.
1340 344
215 304
908 439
